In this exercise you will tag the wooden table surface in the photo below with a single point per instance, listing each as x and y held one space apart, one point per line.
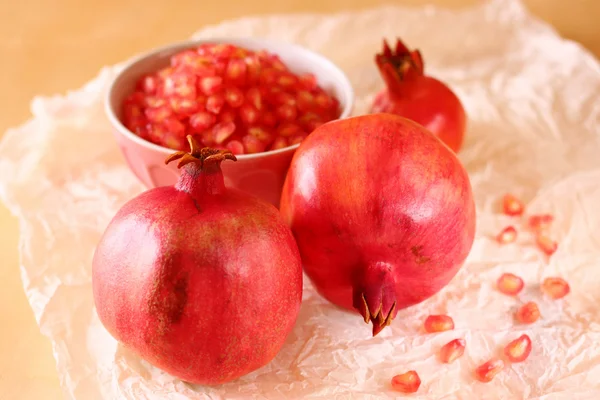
51 46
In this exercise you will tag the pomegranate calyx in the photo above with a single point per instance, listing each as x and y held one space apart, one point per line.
201 156
399 64
374 296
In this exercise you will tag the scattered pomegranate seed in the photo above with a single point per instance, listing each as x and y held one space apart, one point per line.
212 86
438 323
540 222
555 287
488 370
407 382
452 350
546 244
512 206
518 350
507 235
510 284
528 313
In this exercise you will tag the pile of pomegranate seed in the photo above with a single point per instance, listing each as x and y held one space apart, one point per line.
227 97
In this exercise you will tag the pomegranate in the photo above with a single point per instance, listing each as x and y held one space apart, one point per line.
202 281
227 97
414 95
382 212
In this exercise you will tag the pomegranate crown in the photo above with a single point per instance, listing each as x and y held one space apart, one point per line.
201 156
399 64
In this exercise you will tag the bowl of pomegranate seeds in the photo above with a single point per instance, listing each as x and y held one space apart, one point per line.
255 97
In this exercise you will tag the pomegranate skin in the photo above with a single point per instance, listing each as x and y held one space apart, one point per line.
382 212
205 286
445 116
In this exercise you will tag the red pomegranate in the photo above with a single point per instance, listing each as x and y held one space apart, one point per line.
202 281
382 212
419 97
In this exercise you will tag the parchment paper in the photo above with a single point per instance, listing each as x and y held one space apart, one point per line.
534 130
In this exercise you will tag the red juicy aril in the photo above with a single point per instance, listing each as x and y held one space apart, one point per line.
412 94
202 281
382 212
227 97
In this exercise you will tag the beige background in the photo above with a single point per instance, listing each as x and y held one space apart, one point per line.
50 46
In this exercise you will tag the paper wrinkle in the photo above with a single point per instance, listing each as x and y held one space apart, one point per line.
534 130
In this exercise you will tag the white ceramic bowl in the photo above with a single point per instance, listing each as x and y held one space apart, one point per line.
260 174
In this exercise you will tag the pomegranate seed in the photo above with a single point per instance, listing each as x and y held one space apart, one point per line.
252 144
149 84
528 313
173 141
268 76
308 81
304 101
286 112
555 287
487 371
507 235
180 84
518 350
215 103
279 143
236 71
438 323
323 101
248 114
407 382
512 206
540 222
261 134
289 129
174 126
282 98
546 244
154 102
158 114
253 68
510 284
210 85
184 106
202 121
234 97
297 139
235 146
223 131
287 80
278 64
254 97
452 350
268 119
227 115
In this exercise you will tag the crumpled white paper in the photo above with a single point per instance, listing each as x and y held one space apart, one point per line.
534 130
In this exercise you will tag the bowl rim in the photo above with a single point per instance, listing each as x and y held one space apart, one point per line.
109 108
